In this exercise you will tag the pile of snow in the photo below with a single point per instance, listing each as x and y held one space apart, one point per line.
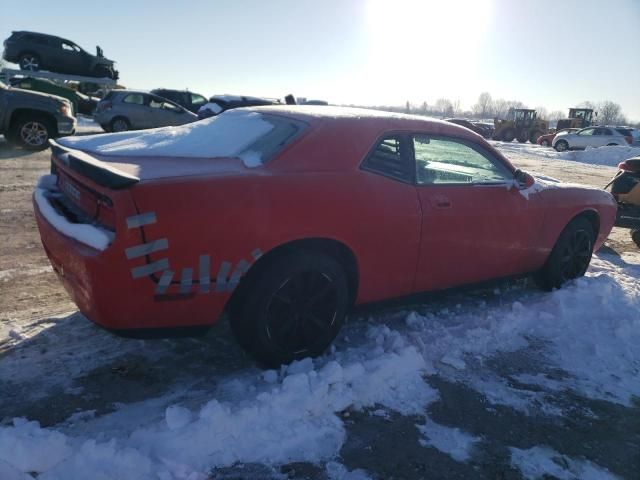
590 330
227 135
276 417
607 156
91 235
452 441
543 462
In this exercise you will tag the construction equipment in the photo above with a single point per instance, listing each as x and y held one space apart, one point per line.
625 188
522 124
578 118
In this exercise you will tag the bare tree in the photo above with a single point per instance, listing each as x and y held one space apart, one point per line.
424 108
556 115
444 107
501 108
610 113
407 108
542 113
485 106
455 108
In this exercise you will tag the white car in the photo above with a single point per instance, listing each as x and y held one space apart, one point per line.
589 137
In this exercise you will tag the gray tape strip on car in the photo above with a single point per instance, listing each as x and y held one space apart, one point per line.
186 280
221 279
204 273
139 220
164 282
150 268
241 268
256 254
146 248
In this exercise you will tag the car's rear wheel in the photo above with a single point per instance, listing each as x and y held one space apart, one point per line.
562 146
293 307
32 132
544 143
119 124
29 61
635 236
570 256
508 135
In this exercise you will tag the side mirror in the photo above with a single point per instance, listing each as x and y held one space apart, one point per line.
524 179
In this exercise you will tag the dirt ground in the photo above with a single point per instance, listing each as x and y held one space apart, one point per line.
32 301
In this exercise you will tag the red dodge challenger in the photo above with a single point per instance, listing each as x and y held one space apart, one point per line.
286 216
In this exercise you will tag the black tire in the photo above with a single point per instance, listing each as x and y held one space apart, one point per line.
562 146
30 62
32 132
635 236
508 135
523 136
533 137
570 256
544 143
119 124
292 307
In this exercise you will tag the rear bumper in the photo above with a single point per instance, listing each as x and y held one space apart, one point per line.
101 284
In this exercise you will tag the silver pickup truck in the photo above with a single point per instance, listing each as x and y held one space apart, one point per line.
30 119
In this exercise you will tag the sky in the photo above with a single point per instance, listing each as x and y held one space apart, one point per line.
548 53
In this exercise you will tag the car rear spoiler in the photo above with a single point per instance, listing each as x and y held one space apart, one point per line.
100 172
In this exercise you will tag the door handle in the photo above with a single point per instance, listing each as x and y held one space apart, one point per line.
442 202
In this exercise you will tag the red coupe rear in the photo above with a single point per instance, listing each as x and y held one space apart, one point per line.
287 216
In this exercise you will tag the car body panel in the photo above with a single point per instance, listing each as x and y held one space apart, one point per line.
212 226
598 136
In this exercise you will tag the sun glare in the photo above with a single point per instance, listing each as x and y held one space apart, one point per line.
433 41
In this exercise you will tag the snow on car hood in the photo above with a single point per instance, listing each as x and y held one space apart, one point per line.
227 135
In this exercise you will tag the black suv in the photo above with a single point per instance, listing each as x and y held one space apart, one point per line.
189 100
38 51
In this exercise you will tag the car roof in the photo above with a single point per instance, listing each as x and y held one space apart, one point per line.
375 119
43 35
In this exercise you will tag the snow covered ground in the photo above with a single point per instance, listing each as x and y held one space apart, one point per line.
508 382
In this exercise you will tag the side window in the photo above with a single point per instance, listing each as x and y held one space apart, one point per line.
155 102
449 161
390 157
606 131
588 131
136 98
197 100
69 47
171 107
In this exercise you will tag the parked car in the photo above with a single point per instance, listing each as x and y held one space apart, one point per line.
30 119
547 140
81 103
286 216
39 51
589 137
631 135
189 100
221 103
473 126
122 110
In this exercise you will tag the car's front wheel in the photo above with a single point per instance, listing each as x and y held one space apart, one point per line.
29 61
292 307
32 132
544 143
562 146
635 236
570 256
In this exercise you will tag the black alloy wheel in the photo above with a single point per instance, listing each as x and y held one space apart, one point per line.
303 309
